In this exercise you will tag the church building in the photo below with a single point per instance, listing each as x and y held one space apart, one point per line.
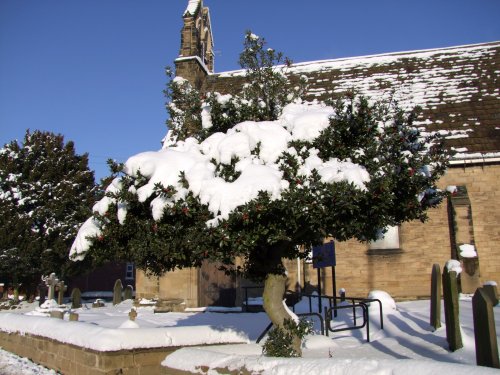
458 89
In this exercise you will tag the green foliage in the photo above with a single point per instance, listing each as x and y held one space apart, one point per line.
184 104
263 96
45 194
404 167
279 340
267 88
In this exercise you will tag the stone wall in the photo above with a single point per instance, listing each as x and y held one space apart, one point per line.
181 284
73 360
406 273
146 287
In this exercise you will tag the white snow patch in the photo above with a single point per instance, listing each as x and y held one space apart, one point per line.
454 265
467 251
451 189
256 146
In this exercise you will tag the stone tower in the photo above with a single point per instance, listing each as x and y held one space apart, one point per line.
196 58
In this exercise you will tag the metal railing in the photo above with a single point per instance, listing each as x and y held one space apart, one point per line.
366 318
332 304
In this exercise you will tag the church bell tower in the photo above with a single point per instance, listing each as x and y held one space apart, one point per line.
196 58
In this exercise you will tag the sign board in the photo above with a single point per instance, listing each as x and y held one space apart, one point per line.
324 255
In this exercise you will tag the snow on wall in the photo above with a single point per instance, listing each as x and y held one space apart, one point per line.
110 339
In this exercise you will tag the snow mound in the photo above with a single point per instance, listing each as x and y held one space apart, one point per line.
318 342
454 265
49 304
257 148
192 359
467 251
129 324
388 303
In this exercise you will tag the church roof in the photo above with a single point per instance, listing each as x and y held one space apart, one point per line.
192 7
457 88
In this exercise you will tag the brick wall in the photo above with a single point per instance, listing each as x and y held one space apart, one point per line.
73 360
406 274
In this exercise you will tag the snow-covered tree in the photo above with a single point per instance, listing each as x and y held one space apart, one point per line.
45 193
268 187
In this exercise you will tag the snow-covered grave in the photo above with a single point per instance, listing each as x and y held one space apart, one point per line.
406 345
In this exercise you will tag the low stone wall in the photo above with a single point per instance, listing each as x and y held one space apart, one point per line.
73 360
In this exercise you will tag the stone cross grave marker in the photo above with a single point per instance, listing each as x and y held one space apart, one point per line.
51 282
132 314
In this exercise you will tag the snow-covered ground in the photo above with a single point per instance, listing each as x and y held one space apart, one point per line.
405 345
11 364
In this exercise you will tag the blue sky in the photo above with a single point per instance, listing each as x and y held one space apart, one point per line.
93 70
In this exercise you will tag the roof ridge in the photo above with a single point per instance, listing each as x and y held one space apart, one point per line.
386 54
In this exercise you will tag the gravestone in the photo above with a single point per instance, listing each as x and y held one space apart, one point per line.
57 314
117 292
76 298
42 292
51 282
73 317
132 314
342 294
128 293
451 308
436 297
98 303
61 288
491 291
484 330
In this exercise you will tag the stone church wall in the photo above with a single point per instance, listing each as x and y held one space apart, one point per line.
405 273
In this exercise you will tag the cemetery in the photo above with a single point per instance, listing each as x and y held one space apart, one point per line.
233 228
129 337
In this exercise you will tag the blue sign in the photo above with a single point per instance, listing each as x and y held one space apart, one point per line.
324 255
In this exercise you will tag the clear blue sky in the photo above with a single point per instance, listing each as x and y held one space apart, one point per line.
93 70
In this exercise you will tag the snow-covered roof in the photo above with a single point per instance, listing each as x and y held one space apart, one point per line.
458 89
192 7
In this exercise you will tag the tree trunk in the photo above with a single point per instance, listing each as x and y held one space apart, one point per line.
274 291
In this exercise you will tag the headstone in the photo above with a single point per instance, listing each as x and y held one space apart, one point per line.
128 293
436 297
51 282
450 294
57 314
61 288
76 298
117 292
484 330
342 294
132 314
98 303
42 292
491 291
73 317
